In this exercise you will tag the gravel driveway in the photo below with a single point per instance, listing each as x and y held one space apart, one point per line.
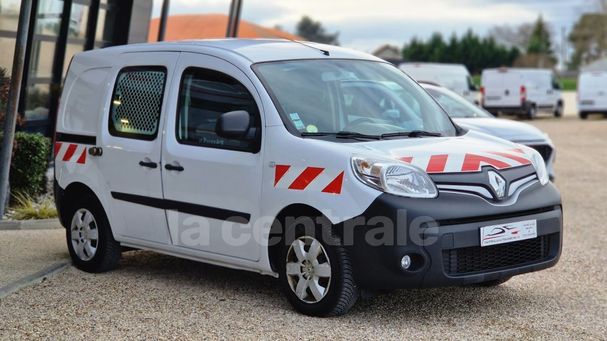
153 296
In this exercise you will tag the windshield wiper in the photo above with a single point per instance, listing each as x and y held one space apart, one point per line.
344 135
413 133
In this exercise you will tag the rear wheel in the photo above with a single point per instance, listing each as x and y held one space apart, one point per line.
89 238
558 111
316 274
583 115
531 112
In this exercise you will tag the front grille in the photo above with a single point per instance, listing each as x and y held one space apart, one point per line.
474 259
544 150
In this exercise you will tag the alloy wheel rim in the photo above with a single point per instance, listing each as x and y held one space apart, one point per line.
308 269
84 234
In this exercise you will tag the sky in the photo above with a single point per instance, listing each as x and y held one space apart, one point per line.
367 24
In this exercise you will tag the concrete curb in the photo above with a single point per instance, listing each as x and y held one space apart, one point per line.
38 224
34 278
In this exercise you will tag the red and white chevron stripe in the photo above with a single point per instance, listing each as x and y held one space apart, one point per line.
308 179
70 152
468 162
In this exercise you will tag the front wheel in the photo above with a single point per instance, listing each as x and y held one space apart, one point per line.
316 273
89 238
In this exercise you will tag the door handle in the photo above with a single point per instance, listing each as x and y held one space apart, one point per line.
171 167
148 164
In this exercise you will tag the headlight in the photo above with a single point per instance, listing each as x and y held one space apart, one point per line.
539 164
394 177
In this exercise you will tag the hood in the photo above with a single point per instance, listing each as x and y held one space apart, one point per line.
502 128
460 154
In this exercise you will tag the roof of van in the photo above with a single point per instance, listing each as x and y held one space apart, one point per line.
444 66
253 50
514 69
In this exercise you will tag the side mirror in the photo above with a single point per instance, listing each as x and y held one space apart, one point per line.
233 125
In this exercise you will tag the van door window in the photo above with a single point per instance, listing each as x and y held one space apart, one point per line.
203 97
137 102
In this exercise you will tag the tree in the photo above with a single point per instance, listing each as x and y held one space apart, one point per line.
4 88
510 36
314 31
589 39
5 83
539 49
540 41
470 50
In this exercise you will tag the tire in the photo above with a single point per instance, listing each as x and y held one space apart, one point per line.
531 112
333 295
89 237
558 112
493 283
583 115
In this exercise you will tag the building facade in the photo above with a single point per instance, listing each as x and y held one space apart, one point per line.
58 29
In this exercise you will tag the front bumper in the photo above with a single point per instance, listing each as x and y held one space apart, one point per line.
448 252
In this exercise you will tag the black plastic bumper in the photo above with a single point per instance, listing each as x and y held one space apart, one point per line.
447 252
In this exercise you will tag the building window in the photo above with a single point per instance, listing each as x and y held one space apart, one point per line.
203 97
137 102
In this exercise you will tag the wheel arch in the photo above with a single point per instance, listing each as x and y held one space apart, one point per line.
69 195
277 230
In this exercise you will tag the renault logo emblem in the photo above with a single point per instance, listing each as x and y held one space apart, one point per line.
498 184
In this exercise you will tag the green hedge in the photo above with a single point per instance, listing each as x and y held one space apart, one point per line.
29 163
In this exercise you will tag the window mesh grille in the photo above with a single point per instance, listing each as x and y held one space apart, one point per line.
137 102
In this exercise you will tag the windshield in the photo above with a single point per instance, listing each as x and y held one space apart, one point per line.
457 106
363 97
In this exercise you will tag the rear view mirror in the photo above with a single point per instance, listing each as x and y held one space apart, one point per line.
233 125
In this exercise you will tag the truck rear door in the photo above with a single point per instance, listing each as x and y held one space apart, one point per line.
502 89
593 91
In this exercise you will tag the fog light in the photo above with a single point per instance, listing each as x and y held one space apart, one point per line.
405 262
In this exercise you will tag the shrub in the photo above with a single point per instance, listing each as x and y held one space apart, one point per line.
27 208
29 163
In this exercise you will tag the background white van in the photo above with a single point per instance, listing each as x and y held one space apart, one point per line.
454 77
592 93
521 91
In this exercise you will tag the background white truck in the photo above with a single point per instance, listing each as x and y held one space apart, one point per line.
454 77
522 92
592 93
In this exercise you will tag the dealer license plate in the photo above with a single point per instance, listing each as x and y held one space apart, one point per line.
508 233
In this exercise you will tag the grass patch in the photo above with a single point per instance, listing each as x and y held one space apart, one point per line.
569 84
477 80
25 207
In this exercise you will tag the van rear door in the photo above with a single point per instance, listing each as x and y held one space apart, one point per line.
502 88
593 91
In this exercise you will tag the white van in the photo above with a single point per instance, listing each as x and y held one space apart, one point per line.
324 167
521 91
454 77
592 93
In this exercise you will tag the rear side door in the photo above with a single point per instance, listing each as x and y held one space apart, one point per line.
131 141
212 185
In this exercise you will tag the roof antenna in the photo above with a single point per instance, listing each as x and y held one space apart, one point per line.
324 52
